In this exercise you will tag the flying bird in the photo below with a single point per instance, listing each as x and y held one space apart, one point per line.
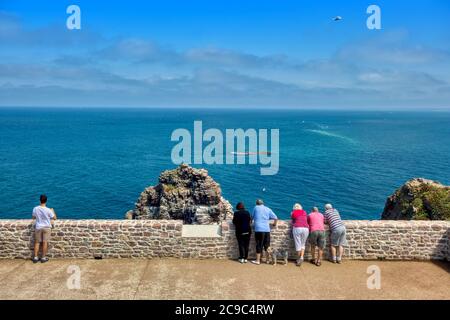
337 18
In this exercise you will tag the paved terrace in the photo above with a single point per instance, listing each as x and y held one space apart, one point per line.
221 279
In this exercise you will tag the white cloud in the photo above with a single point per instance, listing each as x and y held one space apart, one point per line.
385 71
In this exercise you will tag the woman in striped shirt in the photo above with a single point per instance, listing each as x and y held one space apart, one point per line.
337 229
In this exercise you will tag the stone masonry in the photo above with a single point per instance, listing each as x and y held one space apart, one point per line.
448 244
390 240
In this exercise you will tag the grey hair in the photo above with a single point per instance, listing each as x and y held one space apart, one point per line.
315 209
259 202
297 206
328 206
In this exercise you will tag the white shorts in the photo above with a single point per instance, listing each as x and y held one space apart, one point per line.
300 236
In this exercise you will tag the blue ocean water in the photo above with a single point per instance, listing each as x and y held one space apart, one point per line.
93 163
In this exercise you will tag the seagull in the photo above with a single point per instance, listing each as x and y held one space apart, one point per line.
337 18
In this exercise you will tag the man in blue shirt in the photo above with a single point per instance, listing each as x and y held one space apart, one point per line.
261 216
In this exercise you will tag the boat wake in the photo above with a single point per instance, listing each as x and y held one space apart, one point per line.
331 134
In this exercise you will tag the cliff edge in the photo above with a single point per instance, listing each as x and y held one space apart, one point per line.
418 199
183 193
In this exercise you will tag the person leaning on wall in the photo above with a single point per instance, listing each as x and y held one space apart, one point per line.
261 216
242 223
338 233
300 231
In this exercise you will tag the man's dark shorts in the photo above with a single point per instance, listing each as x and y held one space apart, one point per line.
317 238
262 241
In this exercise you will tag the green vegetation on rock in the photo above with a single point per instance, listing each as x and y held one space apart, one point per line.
419 199
436 204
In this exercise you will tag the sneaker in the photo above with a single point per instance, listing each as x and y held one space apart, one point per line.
44 259
299 262
245 260
241 260
256 262
35 259
339 261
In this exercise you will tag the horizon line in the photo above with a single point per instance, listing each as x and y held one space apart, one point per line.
369 109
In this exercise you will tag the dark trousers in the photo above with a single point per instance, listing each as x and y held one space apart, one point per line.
262 241
243 244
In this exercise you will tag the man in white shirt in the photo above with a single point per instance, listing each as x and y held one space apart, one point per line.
43 228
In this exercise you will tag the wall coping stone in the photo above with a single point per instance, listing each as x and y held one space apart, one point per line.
201 231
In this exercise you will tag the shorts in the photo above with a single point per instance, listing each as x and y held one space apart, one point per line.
262 241
42 235
300 236
338 237
317 239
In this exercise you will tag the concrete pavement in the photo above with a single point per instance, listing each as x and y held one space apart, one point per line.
220 279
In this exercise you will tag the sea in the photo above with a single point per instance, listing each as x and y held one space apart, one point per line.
94 162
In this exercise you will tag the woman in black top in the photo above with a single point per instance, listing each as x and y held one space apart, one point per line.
242 221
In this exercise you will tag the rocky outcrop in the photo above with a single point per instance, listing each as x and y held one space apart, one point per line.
419 199
184 193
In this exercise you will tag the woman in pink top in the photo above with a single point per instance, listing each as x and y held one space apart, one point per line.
300 231
317 235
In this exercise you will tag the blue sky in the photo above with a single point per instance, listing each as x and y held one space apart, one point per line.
244 54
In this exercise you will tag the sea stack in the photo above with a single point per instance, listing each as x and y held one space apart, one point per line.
418 199
184 193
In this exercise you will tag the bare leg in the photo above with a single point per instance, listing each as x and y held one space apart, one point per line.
313 252
320 254
340 252
300 254
258 257
36 249
44 248
333 252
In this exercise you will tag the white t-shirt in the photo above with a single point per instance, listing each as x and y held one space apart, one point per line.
43 217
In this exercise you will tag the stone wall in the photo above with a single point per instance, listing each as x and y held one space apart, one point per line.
448 244
393 240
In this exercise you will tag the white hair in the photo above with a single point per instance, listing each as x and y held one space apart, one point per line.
328 206
298 206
